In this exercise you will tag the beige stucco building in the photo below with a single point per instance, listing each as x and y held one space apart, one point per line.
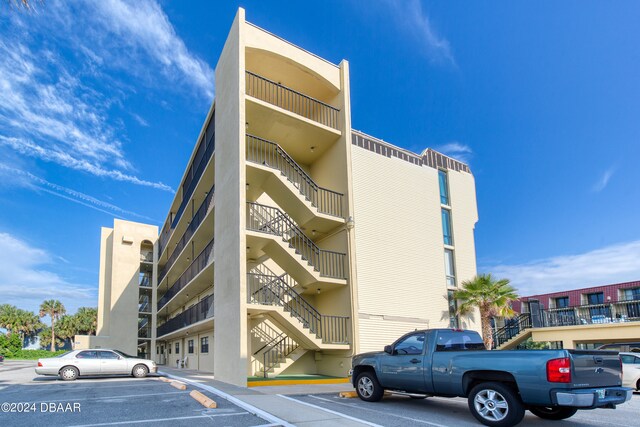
294 241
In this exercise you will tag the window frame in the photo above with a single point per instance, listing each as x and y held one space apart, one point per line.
204 345
406 337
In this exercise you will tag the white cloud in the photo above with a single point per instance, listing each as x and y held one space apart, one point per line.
26 282
456 151
612 264
411 18
603 181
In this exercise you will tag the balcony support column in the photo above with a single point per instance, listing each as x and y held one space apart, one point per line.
231 357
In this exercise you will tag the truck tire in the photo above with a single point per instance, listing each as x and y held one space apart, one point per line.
368 387
553 412
495 404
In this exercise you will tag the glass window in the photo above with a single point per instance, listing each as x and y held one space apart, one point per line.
562 302
190 346
449 267
627 358
446 227
453 308
595 298
413 344
87 355
107 355
631 294
204 345
177 348
444 187
459 340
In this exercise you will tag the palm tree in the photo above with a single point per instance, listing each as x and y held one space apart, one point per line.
27 323
8 317
45 338
491 297
54 309
86 320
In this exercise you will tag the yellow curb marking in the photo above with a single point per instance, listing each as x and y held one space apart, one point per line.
296 382
204 400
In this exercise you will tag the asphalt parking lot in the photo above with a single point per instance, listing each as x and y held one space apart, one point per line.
401 411
41 401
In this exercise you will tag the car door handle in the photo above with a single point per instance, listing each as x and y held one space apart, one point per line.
414 360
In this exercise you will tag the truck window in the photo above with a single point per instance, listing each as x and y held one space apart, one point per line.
413 344
459 341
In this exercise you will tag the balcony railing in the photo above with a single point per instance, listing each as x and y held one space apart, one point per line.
198 217
201 311
277 291
196 171
290 100
144 332
270 220
145 281
200 263
270 154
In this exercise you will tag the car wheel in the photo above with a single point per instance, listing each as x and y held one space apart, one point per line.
368 387
495 404
638 385
69 373
140 371
553 412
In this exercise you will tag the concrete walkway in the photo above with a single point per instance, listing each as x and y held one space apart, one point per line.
271 402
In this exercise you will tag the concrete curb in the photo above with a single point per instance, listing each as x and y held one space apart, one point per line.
179 385
203 400
348 394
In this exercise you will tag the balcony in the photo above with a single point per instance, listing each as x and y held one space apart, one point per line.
193 175
290 100
618 312
199 264
146 257
197 219
194 314
271 155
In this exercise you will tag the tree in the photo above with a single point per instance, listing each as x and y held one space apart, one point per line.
54 309
66 327
8 317
491 297
18 321
86 320
45 338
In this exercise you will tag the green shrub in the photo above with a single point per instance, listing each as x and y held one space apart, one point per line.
33 354
10 344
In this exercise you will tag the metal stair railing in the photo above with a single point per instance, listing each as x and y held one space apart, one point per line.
271 220
277 291
513 328
278 353
270 154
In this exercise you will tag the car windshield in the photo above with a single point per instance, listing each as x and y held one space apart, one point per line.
123 354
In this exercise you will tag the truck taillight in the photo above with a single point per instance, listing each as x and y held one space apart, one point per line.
559 370
39 364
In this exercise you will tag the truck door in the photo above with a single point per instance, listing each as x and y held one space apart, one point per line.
404 368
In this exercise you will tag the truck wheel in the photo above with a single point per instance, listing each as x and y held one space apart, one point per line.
495 404
368 387
553 412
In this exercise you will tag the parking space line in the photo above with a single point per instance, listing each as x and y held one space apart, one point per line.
116 397
156 420
340 414
377 411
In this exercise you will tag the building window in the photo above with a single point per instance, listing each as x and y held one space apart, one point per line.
631 294
595 298
204 345
453 308
444 187
562 302
446 227
177 348
190 346
449 267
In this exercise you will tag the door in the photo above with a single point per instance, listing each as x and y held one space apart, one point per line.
536 319
111 363
88 362
404 368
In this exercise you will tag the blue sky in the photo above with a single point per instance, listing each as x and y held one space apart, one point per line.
101 102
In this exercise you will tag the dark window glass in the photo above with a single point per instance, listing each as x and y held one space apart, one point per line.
627 358
107 355
458 340
413 344
562 302
449 267
177 348
446 227
631 294
204 345
453 308
87 355
190 346
595 298
444 187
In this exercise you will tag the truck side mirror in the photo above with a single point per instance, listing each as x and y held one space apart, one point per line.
388 349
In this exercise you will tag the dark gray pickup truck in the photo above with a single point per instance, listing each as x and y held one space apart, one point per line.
499 385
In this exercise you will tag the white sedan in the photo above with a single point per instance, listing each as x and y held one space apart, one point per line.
71 365
631 370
